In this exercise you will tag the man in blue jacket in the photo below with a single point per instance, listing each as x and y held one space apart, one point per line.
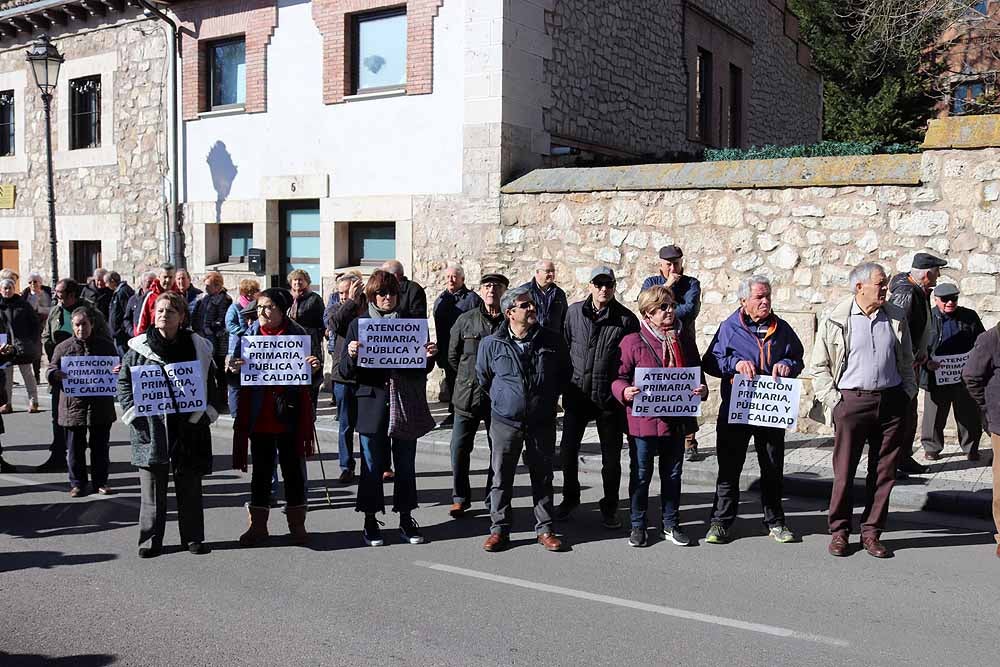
523 367
549 299
455 300
752 341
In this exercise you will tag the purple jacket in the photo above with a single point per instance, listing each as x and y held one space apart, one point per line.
637 354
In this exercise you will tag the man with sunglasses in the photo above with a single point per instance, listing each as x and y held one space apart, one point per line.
954 330
594 329
523 367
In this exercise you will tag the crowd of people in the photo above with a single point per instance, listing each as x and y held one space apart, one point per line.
512 358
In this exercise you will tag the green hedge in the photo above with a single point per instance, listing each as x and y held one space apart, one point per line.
822 149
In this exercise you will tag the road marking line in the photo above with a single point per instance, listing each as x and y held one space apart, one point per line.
641 606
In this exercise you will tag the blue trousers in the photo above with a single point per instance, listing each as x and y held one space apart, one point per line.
641 452
347 416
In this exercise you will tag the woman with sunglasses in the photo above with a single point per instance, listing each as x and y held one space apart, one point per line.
382 433
657 344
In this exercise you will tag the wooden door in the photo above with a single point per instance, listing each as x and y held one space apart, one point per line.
10 258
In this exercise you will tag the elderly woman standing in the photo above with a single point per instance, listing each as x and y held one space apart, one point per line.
208 320
275 420
87 419
657 344
27 342
376 388
181 442
39 297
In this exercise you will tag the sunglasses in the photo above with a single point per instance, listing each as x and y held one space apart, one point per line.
603 284
385 293
524 305
949 299
664 308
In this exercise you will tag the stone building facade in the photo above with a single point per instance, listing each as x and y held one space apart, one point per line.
109 196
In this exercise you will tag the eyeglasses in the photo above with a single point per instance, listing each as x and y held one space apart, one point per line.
524 305
262 307
603 284
491 285
664 307
385 293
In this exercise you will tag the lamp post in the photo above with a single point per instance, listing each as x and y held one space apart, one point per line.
45 61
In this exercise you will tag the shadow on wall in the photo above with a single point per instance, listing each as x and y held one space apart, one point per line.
220 164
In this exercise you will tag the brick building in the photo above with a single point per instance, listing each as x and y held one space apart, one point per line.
971 61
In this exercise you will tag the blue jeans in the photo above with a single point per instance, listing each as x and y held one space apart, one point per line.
375 451
641 451
347 416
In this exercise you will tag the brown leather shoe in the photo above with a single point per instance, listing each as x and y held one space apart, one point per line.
550 542
838 546
457 510
932 456
876 548
496 542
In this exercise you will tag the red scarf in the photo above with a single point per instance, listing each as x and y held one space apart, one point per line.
266 420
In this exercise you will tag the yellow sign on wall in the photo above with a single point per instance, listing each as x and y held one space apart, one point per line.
7 196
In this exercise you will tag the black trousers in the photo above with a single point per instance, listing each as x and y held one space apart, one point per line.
262 448
938 402
610 431
732 441
463 436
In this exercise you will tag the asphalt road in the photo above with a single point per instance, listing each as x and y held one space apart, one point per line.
74 592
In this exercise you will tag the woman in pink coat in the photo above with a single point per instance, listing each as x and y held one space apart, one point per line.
657 344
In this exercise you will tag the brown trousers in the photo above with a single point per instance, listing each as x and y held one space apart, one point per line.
877 419
996 483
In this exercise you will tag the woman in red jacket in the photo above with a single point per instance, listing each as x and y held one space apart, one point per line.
658 344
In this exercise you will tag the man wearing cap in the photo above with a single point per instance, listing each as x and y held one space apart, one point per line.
523 367
455 300
687 294
954 330
549 298
911 291
471 403
594 329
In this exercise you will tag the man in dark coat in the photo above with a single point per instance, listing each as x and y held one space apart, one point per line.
911 291
549 298
121 293
523 367
412 297
450 304
954 330
594 329
471 402
98 292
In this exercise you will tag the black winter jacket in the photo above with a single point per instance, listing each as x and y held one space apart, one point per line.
338 321
412 300
27 338
121 328
595 353
969 328
309 316
916 303
465 336
982 377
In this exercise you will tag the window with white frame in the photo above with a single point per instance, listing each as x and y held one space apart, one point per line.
85 112
379 51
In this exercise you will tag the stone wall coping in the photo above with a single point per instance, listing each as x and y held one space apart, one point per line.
737 174
963 132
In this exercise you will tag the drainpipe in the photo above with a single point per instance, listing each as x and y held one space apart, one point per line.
175 220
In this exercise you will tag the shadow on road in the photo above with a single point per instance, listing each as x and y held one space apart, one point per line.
45 560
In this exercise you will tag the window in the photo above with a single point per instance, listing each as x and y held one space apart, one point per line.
379 51
85 257
371 243
703 95
235 241
981 7
967 97
228 73
300 237
6 123
85 112
735 106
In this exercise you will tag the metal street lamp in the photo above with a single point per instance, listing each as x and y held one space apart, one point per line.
45 61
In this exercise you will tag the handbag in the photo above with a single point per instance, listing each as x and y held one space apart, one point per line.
409 415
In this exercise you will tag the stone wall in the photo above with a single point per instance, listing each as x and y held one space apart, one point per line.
619 73
117 196
805 238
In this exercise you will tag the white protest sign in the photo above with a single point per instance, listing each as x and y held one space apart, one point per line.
950 370
667 392
162 390
275 360
392 343
765 401
3 339
89 376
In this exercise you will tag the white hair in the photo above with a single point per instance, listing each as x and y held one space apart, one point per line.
6 282
456 267
919 274
542 263
746 286
34 275
863 272
393 266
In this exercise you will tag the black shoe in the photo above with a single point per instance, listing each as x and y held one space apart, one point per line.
7 468
637 538
372 532
150 552
53 464
197 548
447 422
410 530
910 466
564 509
346 476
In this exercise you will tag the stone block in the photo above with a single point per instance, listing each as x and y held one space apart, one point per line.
809 211
978 285
868 242
919 223
987 222
980 263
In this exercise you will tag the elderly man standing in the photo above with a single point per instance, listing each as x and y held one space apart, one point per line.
687 293
982 377
183 284
594 330
911 291
164 282
412 297
752 341
471 402
455 300
862 366
549 298
954 330
121 293
522 367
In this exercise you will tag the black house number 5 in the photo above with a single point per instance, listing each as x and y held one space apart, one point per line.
293 186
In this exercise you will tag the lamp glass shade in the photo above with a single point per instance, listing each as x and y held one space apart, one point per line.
45 62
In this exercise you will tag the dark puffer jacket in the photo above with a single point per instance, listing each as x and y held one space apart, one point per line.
338 321
595 353
309 315
916 303
982 377
448 308
954 334
83 410
465 337
27 338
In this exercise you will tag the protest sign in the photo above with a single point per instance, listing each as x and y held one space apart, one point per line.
950 370
392 343
667 392
89 376
3 339
275 360
765 401
172 388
